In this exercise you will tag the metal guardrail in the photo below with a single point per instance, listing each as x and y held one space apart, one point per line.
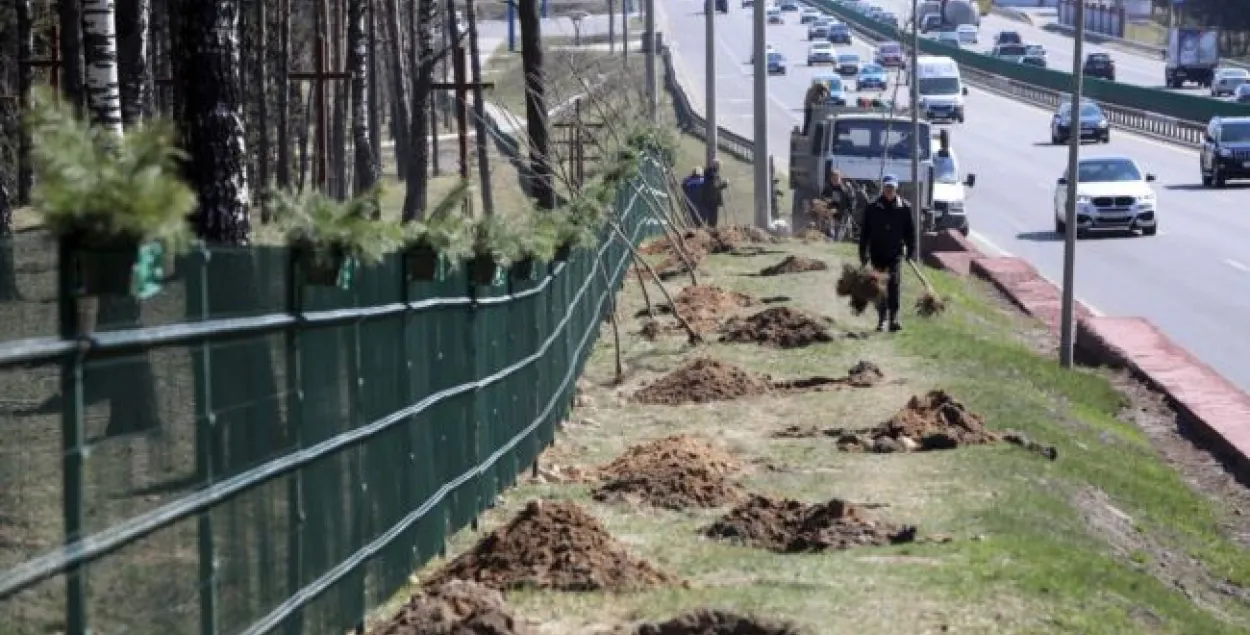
1152 124
692 122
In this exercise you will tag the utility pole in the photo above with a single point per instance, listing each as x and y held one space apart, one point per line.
1067 333
914 98
763 180
709 54
653 97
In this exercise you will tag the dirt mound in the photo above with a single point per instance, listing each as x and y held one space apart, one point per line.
781 326
701 381
934 421
552 545
455 608
713 622
790 526
794 264
810 235
675 472
705 306
864 374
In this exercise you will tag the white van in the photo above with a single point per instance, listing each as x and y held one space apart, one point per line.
941 88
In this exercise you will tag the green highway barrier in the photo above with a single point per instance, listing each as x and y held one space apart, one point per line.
1176 106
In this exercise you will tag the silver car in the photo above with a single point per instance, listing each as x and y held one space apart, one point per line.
1227 80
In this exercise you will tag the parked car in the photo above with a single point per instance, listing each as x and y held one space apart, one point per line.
1099 65
840 33
1113 194
821 53
968 34
1225 152
1092 123
1227 80
776 64
872 76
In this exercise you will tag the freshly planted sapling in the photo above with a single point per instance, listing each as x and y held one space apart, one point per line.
444 237
332 237
495 246
104 194
536 242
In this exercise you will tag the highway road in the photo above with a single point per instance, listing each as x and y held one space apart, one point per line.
1192 280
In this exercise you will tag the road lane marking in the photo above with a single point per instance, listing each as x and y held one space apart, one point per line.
1236 265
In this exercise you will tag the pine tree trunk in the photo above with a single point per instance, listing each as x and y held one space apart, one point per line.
212 118
99 39
133 20
261 89
342 101
71 71
8 268
479 111
542 182
400 95
375 85
284 94
417 196
366 166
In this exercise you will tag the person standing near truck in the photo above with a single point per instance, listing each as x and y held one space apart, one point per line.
887 235
713 193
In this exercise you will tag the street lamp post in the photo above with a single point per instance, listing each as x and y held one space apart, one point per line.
1067 333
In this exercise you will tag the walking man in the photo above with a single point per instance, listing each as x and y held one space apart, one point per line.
713 193
888 235
837 193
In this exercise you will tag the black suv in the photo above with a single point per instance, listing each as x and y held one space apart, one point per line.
1225 151
1007 37
1100 65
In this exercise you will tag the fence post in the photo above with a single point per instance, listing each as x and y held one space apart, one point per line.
72 434
206 421
356 471
295 422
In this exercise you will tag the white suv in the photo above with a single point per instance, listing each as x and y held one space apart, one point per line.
1112 194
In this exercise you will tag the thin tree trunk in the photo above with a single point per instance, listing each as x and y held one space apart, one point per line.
133 20
479 111
401 102
212 119
25 176
8 268
71 71
99 38
375 86
284 94
366 165
611 26
542 184
305 133
417 199
342 102
261 87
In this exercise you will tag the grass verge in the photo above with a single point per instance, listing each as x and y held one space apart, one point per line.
1107 539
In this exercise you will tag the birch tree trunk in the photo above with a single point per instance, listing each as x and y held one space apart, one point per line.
542 184
284 93
366 165
133 20
212 118
99 40
400 94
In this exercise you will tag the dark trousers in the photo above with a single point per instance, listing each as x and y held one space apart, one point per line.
888 310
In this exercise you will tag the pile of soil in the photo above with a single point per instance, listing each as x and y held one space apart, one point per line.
676 472
703 380
794 264
934 421
714 622
864 374
455 608
790 526
705 306
862 285
811 235
552 545
781 326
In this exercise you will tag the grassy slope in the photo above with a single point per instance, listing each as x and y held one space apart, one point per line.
1073 546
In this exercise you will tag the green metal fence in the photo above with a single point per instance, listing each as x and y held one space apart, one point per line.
244 455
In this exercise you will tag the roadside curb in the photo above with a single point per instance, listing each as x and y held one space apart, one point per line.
1207 404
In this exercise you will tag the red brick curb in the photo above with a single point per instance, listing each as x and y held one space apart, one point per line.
1216 409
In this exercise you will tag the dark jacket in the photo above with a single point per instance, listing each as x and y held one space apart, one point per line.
693 189
713 197
840 197
888 233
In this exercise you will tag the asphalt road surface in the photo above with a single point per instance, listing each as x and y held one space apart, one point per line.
1192 280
